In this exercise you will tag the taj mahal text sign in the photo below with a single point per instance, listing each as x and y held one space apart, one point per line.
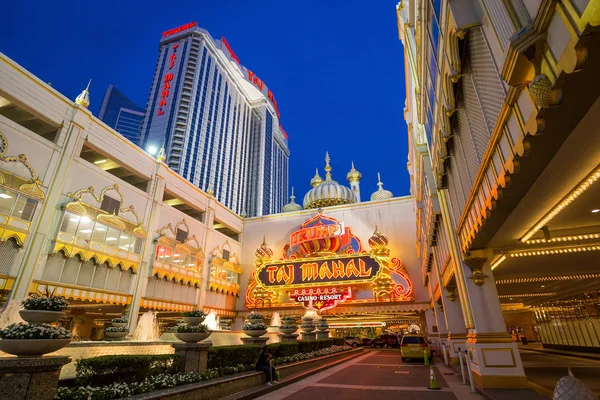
317 272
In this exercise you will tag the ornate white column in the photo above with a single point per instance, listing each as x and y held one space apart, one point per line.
495 358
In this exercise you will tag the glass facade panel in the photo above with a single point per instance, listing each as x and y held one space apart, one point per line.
7 201
85 228
99 233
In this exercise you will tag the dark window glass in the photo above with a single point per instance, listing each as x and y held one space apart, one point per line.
181 236
110 205
226 255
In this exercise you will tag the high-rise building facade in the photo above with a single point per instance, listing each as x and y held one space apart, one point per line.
218 123
121 114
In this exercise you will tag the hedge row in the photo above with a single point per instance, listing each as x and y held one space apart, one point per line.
104 370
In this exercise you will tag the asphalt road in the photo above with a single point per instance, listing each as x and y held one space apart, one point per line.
546 369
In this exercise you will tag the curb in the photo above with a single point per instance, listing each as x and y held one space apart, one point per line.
262 390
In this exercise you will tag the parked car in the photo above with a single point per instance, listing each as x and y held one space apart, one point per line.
366 341
414 347
353 341
385 341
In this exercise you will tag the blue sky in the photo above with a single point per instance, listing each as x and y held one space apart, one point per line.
335 67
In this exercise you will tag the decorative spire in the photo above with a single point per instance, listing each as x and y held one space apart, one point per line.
161 156
264 251
327 167
316 180
292 205
210 190
353 175
381 193
84 97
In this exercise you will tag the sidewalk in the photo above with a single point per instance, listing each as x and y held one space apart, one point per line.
537 347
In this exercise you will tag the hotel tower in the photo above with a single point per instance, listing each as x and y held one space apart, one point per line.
218 123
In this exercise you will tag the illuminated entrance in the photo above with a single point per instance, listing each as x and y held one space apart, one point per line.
325 269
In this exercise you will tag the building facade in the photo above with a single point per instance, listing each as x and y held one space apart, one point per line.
495 223
121 114
218 122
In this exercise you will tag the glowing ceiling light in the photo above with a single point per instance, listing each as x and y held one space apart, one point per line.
100 162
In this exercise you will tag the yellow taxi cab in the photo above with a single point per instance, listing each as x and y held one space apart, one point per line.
414 346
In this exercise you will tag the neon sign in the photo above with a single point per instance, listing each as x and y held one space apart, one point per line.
167 82
337 271
321 299
316 232
178 29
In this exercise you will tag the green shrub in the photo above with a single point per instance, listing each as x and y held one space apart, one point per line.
226 356
104 370
338 341
324 343
307 346
283 349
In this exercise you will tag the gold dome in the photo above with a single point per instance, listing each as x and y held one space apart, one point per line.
84 97
353 175
381 193
328 193
292 205
316 180
264 251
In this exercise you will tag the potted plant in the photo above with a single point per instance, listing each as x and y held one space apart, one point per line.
26 340
308 327
322 325
192 333
255 318
288 320
254 329
115 332
119 322
180 322
43 309
194 317
288 328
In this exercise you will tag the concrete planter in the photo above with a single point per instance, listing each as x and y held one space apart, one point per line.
41 316
32 347
308 329
115 335
119 324
255 320
193 320
191 337
322 327
288 331
256 333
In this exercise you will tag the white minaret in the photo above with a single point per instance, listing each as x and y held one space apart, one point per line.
354 178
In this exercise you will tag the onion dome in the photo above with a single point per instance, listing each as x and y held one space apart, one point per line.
381 193
379 243
264 251
316 180
84 97
383 284
292 205
353 175
329 193
378 239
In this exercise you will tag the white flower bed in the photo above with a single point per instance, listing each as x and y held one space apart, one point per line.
306 356
41 331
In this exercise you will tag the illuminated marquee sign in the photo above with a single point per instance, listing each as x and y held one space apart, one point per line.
178 29
316 232
336 271
167 81
321 299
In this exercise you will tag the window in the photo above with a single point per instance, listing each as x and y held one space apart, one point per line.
88 229
226 255
181 236
177 258
110 205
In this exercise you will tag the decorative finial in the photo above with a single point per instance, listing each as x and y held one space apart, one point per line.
316 180
264 243
353 175
327 167
84 97
161 156
379 183
210 190
292 197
